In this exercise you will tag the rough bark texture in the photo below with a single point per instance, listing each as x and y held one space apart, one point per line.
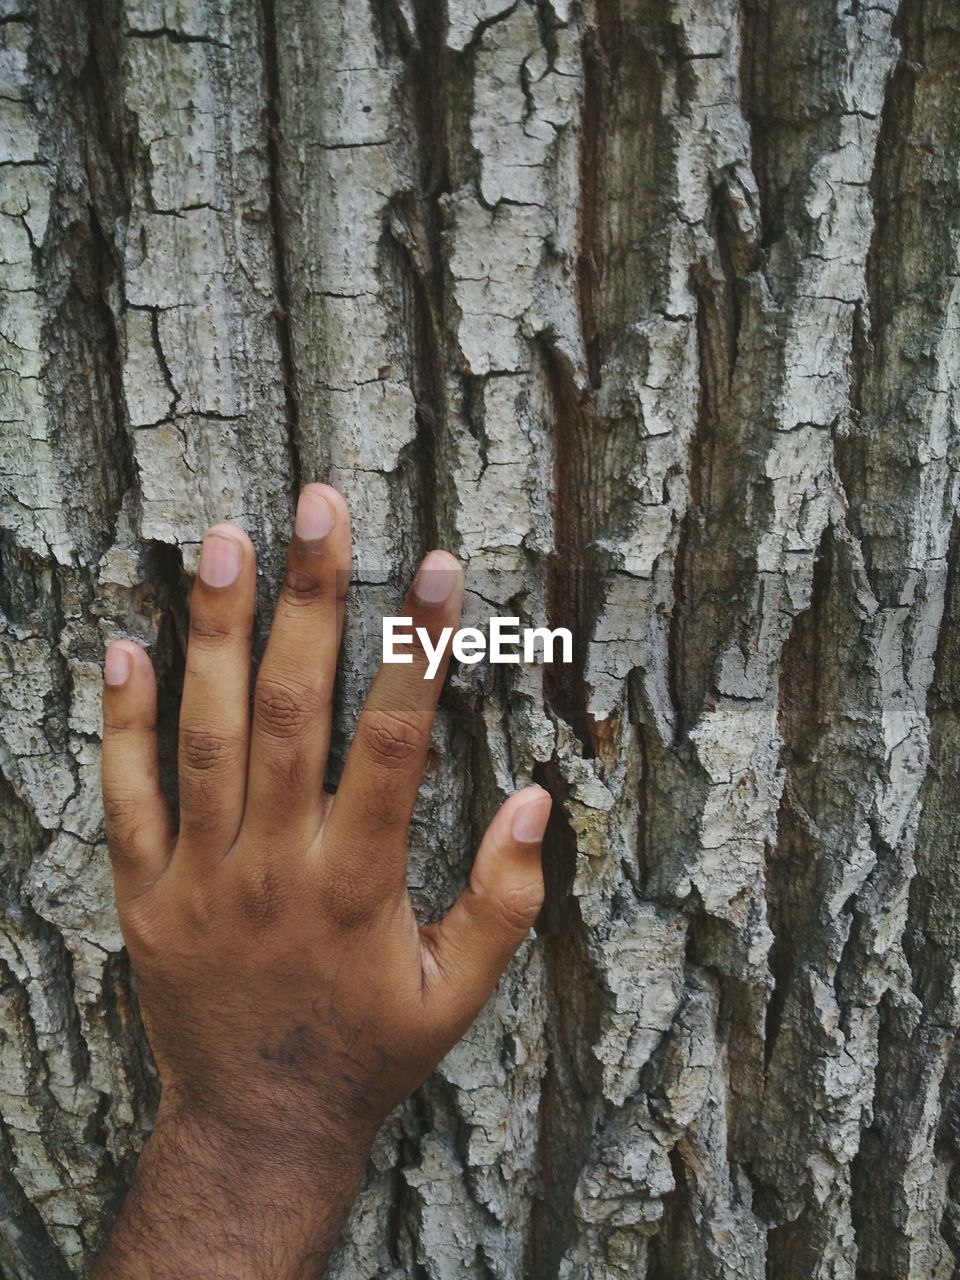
649 310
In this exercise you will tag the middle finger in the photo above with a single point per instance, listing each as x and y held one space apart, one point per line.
292 704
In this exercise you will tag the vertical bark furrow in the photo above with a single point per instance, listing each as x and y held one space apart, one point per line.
904 431
278 219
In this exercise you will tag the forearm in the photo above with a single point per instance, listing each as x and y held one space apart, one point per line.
207 1204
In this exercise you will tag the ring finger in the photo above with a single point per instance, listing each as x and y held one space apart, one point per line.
214 716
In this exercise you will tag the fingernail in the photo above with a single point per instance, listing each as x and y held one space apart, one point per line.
315 516
220 560
117 666
436 578
530 821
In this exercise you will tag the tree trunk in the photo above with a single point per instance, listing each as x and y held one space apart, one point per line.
649 310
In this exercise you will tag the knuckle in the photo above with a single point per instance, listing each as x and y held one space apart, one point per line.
113 726
118 810
347 905
203 751
518 907
300 587
259 896
197 911
391 739
207 631
281 711
125 827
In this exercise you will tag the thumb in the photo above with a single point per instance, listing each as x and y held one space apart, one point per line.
469 948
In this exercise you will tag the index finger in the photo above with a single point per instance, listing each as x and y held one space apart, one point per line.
365 840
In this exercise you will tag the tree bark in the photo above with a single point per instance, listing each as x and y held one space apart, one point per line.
649 310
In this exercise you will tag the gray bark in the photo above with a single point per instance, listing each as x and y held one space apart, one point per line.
649 310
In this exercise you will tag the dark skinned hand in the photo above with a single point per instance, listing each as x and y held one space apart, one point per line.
289 995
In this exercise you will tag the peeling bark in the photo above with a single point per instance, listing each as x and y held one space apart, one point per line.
649 311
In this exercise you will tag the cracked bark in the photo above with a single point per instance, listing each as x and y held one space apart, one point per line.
649 312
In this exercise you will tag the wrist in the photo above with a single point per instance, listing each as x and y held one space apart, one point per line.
260 1119
285 1144
217 1193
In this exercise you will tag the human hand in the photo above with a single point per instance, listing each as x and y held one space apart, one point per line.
289 995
